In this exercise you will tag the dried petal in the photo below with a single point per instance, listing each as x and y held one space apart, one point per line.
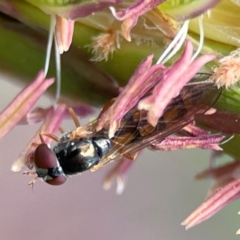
222 121
23 102
222 172
143 79
119 173
35 116
175 143
174 79
81 109
216 202
39 114
221 175
64 32
194 130
131 14
50 125
79 10
171 80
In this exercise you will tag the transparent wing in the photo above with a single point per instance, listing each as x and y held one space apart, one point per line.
136 133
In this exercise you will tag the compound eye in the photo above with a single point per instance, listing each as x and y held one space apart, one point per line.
47 166
58 180
44 157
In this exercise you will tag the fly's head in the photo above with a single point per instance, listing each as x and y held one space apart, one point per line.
47 166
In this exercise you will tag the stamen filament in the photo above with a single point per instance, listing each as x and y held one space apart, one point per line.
201 38
227 140
180 37
49 44
113 11
58 71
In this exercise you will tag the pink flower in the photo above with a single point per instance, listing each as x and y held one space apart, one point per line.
130 15
51 124
225 190
64 32
52 119
79 10
221 175
215 203
173 79
183 12
23 103
167 83
118 173
175 143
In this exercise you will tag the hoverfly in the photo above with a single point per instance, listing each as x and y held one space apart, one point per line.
87 149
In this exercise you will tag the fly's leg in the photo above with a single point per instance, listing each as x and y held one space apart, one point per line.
32 182
74 117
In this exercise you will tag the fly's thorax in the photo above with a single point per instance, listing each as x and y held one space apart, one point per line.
80 155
